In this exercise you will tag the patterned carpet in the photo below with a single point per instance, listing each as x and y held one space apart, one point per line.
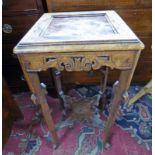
130 136
136 119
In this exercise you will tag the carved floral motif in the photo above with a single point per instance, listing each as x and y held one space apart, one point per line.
77 64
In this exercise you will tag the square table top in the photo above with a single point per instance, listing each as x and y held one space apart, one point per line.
79 31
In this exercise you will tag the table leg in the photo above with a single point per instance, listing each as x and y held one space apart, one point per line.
57 80
33 81
121 89
124 82
104 77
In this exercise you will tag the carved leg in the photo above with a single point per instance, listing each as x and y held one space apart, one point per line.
57 79
104 77
124 82
34 85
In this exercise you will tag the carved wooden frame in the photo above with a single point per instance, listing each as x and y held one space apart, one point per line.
81 61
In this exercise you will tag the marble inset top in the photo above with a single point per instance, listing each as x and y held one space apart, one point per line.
78 28
63 28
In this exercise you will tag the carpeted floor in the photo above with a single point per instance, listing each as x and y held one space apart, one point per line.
130 136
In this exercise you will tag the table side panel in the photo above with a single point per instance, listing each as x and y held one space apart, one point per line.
79 61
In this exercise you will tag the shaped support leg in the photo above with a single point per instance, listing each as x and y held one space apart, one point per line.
122 87
33 81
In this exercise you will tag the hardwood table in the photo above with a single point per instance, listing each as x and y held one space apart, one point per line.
78 41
